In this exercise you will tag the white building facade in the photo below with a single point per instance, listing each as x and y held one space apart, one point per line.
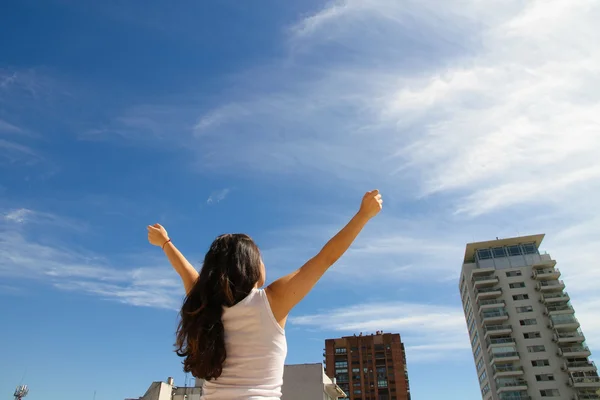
527 343
308 382
300 382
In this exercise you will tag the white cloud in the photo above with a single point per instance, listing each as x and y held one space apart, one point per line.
7 127
68 269
217 196
20 215
431 332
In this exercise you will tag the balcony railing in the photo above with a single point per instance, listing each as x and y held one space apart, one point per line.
574 349
507 354
492 341
564 307
587 396
550 285
546 273
491 302
506 368
574 365
515 397
563 322
549 296
484 278
493 328
585 379
576 336
493 314
514 383
488 290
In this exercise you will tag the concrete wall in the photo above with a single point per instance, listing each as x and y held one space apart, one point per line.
303 382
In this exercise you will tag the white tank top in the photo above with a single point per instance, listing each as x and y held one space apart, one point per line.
256 350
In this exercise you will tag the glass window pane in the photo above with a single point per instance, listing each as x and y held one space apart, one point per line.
499 252
484 254
514 250
529 248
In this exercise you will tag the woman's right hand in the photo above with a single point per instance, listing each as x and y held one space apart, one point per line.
157 235
371 204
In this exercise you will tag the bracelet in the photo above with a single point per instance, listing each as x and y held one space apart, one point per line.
163 246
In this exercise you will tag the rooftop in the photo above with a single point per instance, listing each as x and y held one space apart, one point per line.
472 247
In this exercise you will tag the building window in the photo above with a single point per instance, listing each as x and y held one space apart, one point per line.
357 391
355 370
517 285
536 349
480 364
524 309
340 350
477 351
510 274
529 321
529 248
524 296
474 341
382 383
532 335
341 364
484 254
544 377
341 370
549 393
514 250
482 377
540 363
485 389
499 252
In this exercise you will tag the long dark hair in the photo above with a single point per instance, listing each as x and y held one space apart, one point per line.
231 269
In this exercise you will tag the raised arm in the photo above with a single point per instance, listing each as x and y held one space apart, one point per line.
158 236
289 290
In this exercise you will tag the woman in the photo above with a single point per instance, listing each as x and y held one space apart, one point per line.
231 332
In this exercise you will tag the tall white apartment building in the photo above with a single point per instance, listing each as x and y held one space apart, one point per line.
526 341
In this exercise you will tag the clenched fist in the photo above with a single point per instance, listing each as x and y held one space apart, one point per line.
157 235
371 204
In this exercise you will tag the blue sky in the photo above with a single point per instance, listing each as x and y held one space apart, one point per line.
273 118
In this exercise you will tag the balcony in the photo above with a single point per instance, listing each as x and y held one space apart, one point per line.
488 293
491 303
586 395
544 262
550 286
546 274
582 381
559 309
574 351
482 271
499 341
553 298
497 330
563 323
512 396
579 366
494 317
511 385
484 281
568 337
501 358
507 370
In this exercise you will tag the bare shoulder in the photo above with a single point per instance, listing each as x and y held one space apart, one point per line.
276 306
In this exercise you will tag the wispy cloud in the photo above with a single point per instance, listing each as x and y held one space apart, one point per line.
217 196
86 272
433 331
7 127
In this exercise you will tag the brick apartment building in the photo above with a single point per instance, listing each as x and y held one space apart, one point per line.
368 367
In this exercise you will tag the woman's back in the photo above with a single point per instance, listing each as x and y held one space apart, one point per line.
231 333
256 350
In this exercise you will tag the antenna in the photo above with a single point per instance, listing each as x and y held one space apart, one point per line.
20 392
